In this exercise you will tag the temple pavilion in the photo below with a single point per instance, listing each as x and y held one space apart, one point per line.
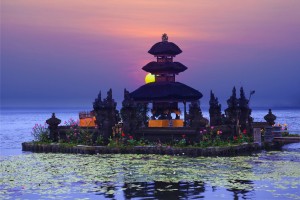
165 94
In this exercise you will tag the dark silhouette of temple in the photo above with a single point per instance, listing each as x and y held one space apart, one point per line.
162 98
165 93
237 115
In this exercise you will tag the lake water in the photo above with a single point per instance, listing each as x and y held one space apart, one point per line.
26 175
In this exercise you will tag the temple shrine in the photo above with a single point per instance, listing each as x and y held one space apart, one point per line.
152 112
165 93
162 98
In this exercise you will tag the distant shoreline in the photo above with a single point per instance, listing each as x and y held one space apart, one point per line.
204 108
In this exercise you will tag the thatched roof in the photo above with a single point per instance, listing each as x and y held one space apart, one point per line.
154 67
165 48
165 91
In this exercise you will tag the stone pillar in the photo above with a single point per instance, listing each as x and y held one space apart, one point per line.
184 114
53 123
277 131
268 134
257 136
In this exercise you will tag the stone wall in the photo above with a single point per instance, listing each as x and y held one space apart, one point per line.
243 149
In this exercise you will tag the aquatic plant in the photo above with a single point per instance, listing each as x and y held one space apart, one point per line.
46 176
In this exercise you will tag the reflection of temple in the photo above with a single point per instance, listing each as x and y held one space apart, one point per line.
163 190
165 93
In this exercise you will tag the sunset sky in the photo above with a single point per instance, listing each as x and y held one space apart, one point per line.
63 52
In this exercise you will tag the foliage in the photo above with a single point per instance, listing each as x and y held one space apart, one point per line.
122 140
212 137
73 132
132 142
100 140
41 133
83 135
182 142
76 134
242 137
113 142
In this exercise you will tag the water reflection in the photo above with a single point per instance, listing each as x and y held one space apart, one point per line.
163 190
266 175
243 193
152 190
167 190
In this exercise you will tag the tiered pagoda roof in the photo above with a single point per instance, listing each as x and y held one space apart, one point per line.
160 67
166 91
165 88
165 47
164 51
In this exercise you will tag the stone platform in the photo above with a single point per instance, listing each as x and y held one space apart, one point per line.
236 150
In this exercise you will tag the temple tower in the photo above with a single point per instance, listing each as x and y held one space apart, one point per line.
165 93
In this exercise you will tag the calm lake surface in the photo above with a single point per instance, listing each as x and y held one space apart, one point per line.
23 175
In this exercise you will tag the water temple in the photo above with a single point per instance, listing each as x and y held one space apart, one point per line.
152 112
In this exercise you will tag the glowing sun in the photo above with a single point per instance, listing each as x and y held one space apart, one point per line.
149 78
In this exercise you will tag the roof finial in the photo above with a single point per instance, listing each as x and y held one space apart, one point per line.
164 37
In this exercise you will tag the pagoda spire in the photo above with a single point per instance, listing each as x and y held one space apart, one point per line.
164 37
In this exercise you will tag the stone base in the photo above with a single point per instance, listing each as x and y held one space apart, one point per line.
243 149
